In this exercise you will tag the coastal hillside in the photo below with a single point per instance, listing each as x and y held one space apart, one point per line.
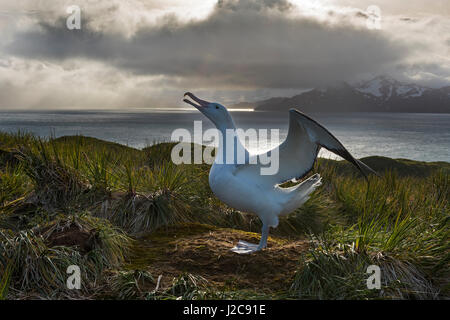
140 227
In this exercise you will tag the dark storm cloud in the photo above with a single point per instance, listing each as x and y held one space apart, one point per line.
241 43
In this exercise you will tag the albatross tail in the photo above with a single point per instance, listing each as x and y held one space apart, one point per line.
299 194
308 186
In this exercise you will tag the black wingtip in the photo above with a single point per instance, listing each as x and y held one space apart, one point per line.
340 150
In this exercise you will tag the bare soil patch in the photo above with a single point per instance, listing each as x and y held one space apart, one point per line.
205 250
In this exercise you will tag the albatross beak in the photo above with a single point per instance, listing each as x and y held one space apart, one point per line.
201 103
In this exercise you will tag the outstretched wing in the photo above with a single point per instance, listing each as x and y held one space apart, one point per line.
298 152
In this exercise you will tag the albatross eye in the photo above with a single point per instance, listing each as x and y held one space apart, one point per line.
217 107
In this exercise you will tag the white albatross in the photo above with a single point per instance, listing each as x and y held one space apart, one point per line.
242 187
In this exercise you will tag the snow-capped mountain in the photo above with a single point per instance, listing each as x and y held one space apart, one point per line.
387 88
381 94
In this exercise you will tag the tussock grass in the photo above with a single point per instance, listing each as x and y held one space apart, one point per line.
185 287
341 273
399 224
138 213
37 259
137 284
36 267
56 184
5 278
131 285
106 193
13 183
189 287
162 205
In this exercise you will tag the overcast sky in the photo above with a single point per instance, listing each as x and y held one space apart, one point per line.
147 53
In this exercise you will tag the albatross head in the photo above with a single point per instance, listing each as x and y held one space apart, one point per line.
215 112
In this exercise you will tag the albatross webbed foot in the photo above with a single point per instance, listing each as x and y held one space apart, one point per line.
244 247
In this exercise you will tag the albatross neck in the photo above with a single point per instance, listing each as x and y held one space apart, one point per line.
226 125
229 141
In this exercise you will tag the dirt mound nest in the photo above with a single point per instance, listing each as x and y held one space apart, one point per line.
205 251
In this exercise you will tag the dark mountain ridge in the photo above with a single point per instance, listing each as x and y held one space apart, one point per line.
381 94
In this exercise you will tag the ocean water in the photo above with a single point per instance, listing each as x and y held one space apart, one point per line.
424 137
